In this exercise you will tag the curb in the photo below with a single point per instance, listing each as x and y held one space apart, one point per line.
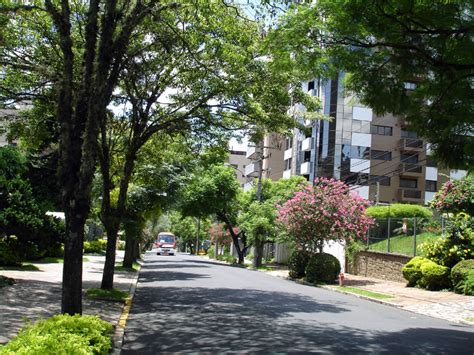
117 338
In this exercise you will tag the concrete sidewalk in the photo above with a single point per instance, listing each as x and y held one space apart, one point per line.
37 294
439 304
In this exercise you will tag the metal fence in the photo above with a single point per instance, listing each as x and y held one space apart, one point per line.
404 235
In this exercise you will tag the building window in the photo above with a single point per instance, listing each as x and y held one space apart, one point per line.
380 155
358 152
310 85
381 130
288 164
431 186
288 143
408 134
431 163
307 156
382 180
409 183
409 158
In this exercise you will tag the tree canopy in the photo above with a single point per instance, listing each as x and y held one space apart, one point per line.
409 58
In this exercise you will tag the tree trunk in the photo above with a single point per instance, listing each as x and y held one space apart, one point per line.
71 302
258 256
129 250
235 237
136 250
111 229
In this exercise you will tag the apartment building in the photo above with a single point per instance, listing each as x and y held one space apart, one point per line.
239 161
378 156
269 153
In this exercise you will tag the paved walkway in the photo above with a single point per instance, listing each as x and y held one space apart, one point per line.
439 304
37 294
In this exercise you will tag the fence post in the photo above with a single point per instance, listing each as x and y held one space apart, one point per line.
368 237
388 234
414 236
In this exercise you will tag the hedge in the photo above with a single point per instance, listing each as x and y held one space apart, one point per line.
399 210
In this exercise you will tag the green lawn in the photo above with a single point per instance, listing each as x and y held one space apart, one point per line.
362 292
403 244
23 267
136 266
112 295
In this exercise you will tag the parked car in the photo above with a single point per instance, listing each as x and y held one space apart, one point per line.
165 243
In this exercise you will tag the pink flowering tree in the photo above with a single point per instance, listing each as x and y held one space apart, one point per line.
456 196
325 211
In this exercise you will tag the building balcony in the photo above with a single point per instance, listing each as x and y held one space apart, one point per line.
252 152
287 174
306 144
407 169
288 154
411 145
305 168
251 170
410 195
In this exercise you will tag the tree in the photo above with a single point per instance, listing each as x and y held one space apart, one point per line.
325 211
258 218
409 58
215 192
89 43
456 196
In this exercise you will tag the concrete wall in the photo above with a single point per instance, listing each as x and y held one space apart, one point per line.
379 265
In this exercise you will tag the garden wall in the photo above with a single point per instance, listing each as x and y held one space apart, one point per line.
379 265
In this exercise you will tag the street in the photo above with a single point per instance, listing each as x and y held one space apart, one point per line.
188 304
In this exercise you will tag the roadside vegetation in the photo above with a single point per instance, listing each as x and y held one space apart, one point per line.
108 295
62 334
366 293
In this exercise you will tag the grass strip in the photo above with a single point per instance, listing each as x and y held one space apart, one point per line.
362 292
470 319
111 295
134 268
22 267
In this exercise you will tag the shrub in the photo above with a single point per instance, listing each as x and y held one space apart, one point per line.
456 246
121 245
434 276
322 267
95 247
62 334
211 251
412 270
399 210
456 196
462 276
226 257
9 251
297 263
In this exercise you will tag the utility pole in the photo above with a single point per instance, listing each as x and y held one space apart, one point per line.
377 196
259 199
197 236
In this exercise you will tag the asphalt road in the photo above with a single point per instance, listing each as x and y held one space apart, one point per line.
186 304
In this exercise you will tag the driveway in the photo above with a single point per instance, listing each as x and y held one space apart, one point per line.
186 304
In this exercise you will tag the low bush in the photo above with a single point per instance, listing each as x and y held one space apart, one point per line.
211 252
462 276
399 210
95 247
322 267
457 245
62 334
121 245
297 264
412 270
226 257
434 276
9 251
